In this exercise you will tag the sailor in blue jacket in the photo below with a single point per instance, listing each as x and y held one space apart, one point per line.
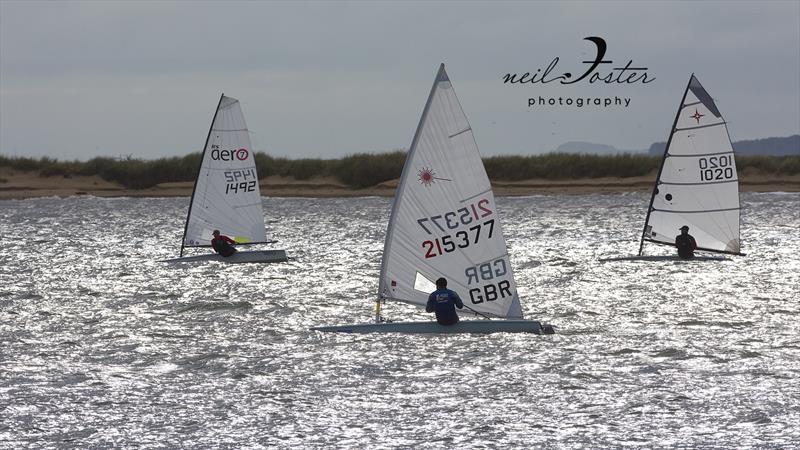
444 302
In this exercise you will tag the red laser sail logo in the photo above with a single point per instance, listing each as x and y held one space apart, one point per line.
428 177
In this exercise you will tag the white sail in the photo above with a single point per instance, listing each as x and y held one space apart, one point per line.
698 185
444 222
226 195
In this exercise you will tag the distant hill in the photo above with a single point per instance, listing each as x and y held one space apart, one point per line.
775 146
591 149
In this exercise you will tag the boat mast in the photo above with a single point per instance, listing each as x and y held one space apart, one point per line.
661 167
199 168
440 75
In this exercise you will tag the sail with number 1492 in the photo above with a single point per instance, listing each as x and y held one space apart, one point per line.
226 194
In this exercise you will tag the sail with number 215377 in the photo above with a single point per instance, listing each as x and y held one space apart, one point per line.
445 223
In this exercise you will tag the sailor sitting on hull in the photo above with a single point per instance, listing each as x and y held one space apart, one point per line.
685 243
222 244
444 302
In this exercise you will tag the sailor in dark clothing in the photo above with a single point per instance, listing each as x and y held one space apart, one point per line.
222 244
685 243
444 302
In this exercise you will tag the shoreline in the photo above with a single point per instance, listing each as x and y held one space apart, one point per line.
16 185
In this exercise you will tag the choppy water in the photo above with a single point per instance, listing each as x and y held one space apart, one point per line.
100 345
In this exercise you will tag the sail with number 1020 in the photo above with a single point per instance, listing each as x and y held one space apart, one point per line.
445 223
697 184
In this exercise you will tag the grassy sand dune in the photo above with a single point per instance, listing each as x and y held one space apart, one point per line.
364 174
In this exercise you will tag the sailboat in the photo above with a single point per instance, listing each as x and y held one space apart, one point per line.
444 223
697 183
226 194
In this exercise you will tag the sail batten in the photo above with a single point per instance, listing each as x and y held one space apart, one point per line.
701 126
444 221
697 183
700 154
694 211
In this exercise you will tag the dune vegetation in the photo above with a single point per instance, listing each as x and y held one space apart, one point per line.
369 169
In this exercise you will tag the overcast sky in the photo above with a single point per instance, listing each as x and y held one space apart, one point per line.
326 79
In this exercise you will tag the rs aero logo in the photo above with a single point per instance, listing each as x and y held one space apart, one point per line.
229 155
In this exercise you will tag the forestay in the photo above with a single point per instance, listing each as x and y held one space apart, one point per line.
444 222
226 194
697 185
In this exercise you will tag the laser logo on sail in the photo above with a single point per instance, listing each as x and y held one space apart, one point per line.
696 116
428 176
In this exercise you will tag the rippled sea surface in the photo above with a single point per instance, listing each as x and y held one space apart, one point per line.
101 345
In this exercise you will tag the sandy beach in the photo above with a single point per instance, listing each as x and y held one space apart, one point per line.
19 185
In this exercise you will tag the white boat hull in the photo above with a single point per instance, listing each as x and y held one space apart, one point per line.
430 327
254 256
664 258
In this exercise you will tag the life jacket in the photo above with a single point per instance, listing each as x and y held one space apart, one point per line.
686 245
222 247
444 303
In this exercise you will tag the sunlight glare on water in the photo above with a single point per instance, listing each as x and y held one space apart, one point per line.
102 345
